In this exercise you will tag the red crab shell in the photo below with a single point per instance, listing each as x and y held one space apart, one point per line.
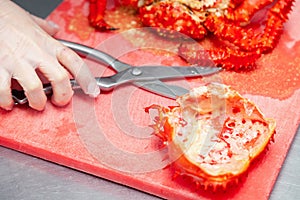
238 38
213 134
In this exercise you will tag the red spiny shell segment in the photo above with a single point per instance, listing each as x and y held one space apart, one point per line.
213 135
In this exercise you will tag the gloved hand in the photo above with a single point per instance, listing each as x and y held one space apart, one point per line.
29 55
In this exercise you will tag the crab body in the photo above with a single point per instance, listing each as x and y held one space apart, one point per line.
213 135
229 21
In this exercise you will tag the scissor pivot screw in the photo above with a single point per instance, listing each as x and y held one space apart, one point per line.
136 71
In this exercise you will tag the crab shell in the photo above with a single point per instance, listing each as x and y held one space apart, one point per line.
213 135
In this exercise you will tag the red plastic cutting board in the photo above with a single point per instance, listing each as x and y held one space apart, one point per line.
109 136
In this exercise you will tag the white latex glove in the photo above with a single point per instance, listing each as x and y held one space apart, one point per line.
29 55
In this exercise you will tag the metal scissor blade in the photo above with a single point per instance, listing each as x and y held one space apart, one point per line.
165 72
150 73
189 71
162 89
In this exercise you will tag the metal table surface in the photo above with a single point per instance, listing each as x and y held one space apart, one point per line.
26 177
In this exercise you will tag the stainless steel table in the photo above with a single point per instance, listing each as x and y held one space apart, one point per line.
28 178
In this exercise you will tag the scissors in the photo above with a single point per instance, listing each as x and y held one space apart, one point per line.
146 77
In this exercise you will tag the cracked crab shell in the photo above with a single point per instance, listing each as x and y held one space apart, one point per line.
214 134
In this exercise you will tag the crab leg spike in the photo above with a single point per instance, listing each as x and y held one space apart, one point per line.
237 181
96 15
206 185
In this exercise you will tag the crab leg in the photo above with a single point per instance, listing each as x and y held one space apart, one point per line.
248 46
245 38
96 15
277 16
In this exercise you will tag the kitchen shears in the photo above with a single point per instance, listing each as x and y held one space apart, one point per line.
147 77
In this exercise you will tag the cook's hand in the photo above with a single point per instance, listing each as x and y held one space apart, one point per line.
29 55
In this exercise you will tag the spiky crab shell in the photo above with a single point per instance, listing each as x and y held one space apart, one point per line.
214 134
